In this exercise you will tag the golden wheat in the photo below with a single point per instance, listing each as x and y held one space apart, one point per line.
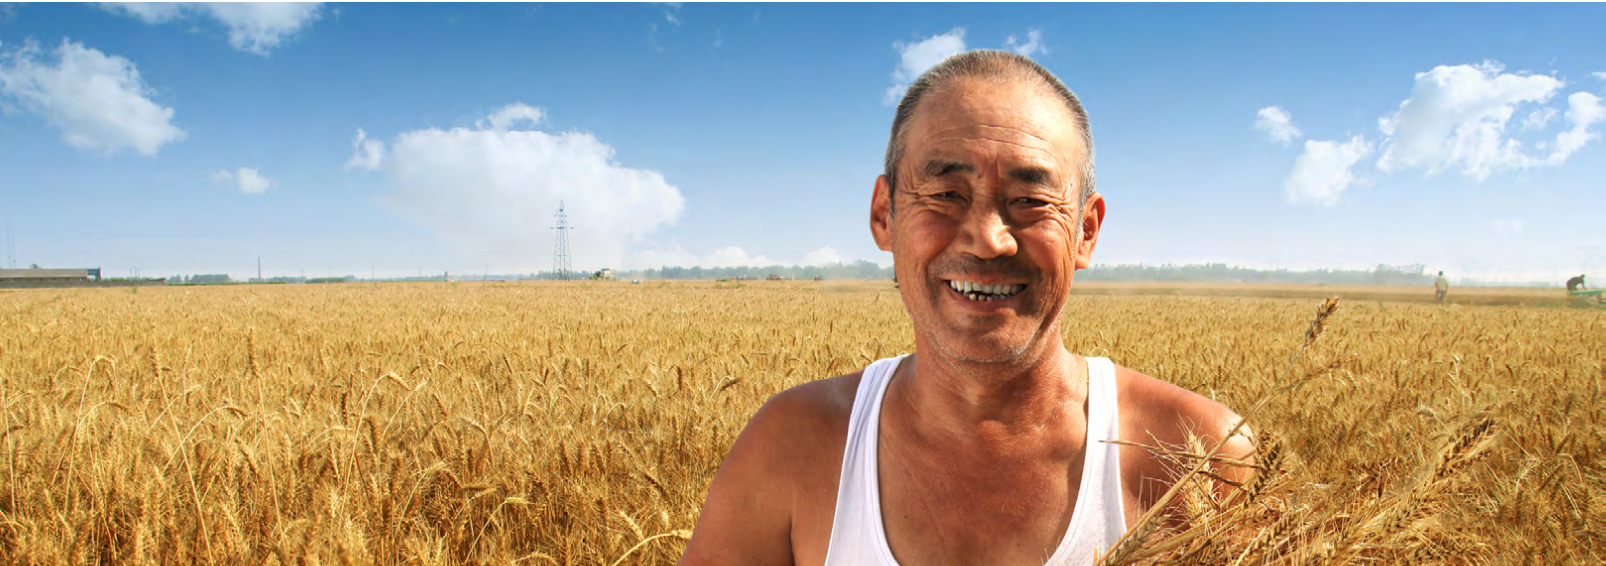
548 423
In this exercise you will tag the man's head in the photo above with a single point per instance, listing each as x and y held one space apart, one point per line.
988 184
987 64
1441 273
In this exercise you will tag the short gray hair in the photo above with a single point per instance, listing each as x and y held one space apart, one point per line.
987 63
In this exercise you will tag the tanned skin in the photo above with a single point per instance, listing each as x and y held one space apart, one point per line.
983 429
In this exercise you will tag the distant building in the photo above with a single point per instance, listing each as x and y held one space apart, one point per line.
48 275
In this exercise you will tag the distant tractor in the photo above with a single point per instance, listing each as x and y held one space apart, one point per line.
605 274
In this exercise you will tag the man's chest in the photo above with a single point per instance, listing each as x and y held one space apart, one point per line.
957 510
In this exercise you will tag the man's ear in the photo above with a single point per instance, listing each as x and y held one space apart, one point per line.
881 213
1092 220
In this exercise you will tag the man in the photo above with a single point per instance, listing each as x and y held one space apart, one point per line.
1575 284
1441 287
988 445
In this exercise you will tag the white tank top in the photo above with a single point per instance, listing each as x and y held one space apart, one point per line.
858 536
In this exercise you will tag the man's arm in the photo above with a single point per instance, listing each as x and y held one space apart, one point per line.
1168 414
1240 446
747 518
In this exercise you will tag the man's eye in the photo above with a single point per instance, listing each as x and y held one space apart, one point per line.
947 195
1031 202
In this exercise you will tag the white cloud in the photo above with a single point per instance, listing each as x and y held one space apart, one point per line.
1033 46
726 256
1456 118
1278 124
732 256
672 12
915 58
822 256
495 190
1322 172
1584 110
510 115
256 27
1538 119
1601 75
246 179
1511 227
97 101
366 153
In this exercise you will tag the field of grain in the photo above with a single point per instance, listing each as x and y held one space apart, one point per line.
580 423
1465 296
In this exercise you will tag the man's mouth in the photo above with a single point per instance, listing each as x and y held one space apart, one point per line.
984 293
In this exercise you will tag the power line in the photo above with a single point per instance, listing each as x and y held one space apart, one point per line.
560 255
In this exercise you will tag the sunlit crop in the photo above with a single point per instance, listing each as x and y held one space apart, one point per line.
581 423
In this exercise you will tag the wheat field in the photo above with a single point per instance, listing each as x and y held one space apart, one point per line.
580 423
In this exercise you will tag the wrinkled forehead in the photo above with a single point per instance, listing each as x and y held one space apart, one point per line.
1020 117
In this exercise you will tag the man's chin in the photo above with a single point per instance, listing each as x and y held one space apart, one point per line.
982 350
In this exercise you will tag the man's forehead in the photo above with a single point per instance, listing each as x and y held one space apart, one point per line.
1018 112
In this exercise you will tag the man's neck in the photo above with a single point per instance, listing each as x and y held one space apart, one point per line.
957 400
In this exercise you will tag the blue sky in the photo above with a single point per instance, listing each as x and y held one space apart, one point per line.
398 139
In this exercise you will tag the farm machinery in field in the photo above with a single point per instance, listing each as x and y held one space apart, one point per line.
1590 299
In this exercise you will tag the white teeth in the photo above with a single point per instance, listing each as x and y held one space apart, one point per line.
979 292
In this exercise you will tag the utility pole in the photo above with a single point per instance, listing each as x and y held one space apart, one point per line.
259 269
560 255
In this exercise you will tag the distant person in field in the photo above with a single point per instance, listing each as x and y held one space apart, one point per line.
1441 287
988 444
1575 284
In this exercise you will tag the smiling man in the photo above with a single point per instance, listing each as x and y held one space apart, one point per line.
989 444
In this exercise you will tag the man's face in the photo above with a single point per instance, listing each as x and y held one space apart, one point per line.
987 197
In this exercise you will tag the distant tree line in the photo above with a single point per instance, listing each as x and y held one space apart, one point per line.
857 270
1415 274
201 279
223 279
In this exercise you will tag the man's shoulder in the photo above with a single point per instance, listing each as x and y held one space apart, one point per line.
810 410
1153 412
797 434
1155 409
777 482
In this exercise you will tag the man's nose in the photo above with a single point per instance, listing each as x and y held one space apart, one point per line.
984 234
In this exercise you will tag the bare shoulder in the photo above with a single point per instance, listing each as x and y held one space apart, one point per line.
1155 411
769 486
1170 411
819 406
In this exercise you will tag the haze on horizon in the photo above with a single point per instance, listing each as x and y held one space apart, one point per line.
395 140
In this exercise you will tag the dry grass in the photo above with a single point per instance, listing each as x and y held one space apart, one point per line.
545 423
